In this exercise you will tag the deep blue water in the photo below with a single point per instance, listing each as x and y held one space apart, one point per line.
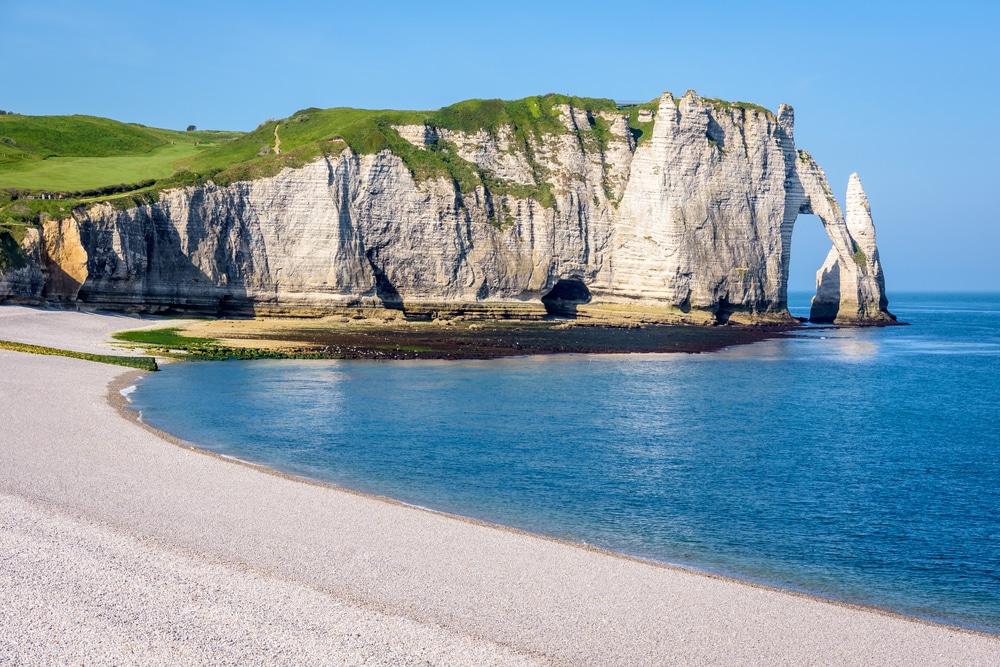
854 464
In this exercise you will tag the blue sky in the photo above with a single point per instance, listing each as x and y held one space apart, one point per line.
904 93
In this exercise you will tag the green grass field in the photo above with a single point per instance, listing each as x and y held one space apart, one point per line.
60 174
73 153
38 137
168 340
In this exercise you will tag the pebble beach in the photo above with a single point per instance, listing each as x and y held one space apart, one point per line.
121 545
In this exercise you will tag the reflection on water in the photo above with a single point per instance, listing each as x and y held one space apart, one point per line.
847 344
849 347
859 464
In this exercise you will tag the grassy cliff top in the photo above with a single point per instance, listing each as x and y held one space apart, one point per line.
80 160
75 153
310 133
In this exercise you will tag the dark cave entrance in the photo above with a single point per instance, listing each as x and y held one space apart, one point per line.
565 297
724 311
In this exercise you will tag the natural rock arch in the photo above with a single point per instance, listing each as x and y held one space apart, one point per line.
850 287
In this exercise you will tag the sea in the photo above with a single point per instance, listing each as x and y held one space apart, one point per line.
855 464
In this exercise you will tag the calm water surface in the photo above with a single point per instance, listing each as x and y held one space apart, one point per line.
860 465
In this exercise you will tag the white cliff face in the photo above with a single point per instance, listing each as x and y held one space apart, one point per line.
864 298
286 242
826 303
700 223
692 225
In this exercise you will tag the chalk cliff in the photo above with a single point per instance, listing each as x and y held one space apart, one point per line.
850 288
690 223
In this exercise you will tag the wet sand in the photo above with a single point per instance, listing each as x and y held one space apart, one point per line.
120 546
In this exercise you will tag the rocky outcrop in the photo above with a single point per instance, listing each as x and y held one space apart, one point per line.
826 303
850 288
65 259
690 224
22 280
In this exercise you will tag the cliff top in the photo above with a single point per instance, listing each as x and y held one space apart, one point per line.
52 164
70 153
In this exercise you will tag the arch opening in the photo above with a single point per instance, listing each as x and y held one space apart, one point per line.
809 247
565 297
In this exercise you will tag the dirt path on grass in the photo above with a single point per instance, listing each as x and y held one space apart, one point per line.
277 141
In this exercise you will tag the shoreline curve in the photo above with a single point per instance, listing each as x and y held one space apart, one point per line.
143 548
119 401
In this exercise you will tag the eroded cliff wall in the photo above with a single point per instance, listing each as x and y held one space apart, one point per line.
692 223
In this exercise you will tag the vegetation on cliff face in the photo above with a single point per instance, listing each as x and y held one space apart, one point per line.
11 256
11 234
309 133
728 107
642 129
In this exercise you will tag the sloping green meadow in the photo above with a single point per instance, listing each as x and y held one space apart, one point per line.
68 174
65 154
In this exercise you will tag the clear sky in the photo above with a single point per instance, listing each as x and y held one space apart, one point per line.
904 93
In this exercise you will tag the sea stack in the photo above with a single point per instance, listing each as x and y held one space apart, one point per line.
850 288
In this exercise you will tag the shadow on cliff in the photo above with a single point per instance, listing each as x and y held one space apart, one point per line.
384 289
59 285
151 271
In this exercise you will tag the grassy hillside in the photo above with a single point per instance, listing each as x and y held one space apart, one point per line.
69 174
32 138
71 153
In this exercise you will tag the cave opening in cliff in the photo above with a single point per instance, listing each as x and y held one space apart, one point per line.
565 296
724 311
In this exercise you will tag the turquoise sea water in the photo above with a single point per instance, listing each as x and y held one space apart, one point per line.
855 464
